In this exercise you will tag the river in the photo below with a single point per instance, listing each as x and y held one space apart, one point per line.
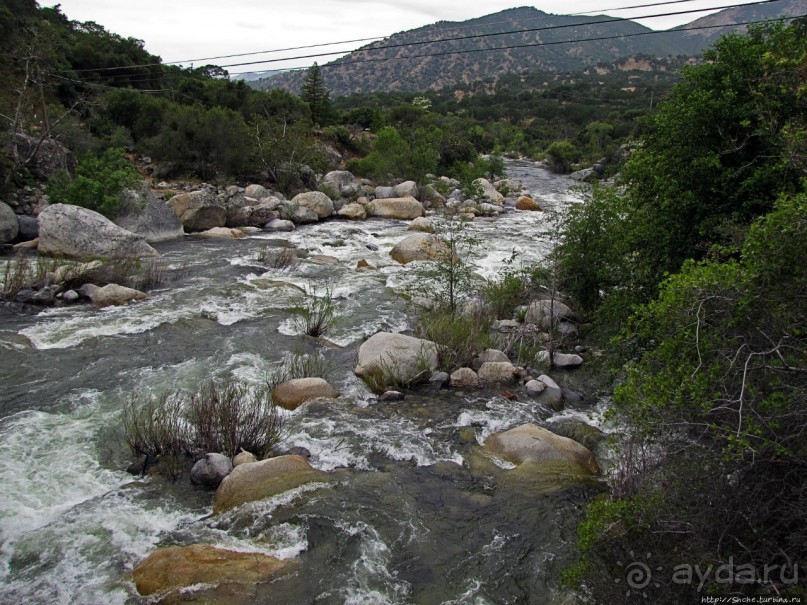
419 516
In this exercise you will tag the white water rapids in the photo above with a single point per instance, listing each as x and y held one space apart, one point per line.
414 520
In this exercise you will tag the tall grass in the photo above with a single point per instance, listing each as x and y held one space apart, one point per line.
24 271
460 338
222 417
316 315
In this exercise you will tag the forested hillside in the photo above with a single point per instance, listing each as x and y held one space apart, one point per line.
695 266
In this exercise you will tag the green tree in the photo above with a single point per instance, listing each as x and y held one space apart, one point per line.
317 96
713 456
97 184
561 155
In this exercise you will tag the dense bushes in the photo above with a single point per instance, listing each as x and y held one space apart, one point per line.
97 184
700 258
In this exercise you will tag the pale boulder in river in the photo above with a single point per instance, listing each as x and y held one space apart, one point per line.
76 232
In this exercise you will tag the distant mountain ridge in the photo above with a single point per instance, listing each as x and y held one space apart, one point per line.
451 53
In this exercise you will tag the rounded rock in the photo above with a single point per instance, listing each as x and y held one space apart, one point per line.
211 470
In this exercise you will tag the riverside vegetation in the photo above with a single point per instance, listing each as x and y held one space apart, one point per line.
689 270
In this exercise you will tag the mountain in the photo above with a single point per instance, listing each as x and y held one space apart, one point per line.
694 41
451 53
252 76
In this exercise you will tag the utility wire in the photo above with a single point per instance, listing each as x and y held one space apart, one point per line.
510 47
450 39
521 31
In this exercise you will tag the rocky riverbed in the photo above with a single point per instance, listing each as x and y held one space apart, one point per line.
402 502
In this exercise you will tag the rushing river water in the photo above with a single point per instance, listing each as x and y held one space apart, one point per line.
416 514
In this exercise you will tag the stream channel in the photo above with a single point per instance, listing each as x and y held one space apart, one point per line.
417 513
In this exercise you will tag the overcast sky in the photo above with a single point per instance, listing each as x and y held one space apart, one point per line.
179 30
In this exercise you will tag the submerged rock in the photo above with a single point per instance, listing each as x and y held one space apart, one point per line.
178 567
531 443
111 295
527 203
264 479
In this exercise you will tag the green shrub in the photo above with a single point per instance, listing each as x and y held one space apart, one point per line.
561 155
459 338
97 184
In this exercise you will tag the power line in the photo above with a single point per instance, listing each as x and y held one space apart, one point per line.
552 43
422 42
521 31
529 45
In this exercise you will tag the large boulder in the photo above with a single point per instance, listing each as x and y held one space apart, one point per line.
489 191
531 443
254 215
341 181
143 213
111 295
9 225
316 201
76 232
176 567
539 312
28 229
404 208
211 470
293 393
406 356
49 155
418 246
299 215
264 479
198 210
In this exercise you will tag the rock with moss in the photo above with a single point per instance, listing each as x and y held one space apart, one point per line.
143 213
